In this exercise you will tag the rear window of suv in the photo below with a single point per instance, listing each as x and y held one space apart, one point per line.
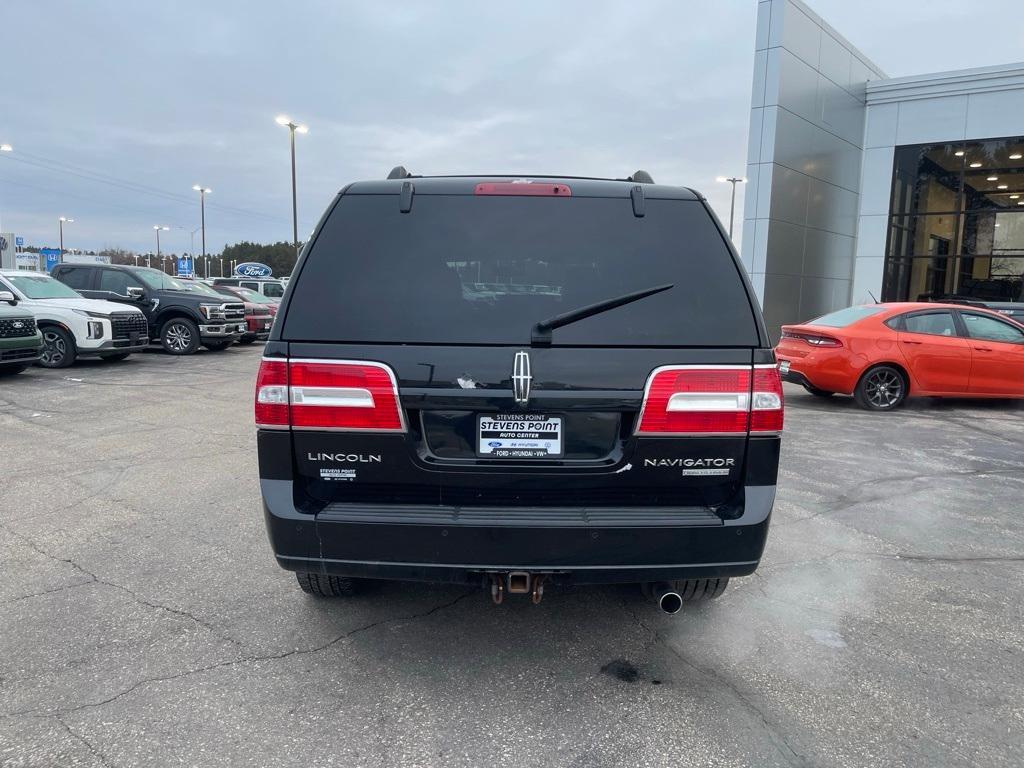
483 270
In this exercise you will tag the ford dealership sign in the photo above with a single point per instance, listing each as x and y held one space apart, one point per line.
253 269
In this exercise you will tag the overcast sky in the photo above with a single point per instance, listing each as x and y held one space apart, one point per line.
153 98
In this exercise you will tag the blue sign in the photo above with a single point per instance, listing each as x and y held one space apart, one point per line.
19 241
184 267
52 257
253 269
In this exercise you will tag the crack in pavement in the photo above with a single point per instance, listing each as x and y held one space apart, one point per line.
93 578
245 660
47 591
88 744
778 739
847 498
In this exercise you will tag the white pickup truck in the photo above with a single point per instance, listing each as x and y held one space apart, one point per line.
72 325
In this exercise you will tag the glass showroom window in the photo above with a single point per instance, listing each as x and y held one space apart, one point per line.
956 226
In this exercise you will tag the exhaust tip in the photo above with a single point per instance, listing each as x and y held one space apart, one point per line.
670 602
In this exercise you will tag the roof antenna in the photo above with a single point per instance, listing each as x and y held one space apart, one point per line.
873 298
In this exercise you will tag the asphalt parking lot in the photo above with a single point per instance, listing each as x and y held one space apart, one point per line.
144 622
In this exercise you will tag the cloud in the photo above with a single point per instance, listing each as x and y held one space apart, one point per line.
175 94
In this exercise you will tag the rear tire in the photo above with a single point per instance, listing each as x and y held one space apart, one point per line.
320 585
10 370
246 341
696 590
217 346
114 358
882 388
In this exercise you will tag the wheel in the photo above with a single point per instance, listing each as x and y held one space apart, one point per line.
694 590
117 356
319 585
10 370
882 388
58 348
818 392
217 346
247 341
179 336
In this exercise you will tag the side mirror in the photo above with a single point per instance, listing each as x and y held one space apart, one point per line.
134 292
9 297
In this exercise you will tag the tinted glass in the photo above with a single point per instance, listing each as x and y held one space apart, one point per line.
932 323
990 329
76 277
956 226
117 282
158 280
273 290
845 317
467 269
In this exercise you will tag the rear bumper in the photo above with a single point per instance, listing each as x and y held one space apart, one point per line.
459 545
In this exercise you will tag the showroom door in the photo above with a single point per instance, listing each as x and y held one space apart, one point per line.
939 359
997 350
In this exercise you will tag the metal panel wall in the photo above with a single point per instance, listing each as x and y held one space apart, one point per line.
804 163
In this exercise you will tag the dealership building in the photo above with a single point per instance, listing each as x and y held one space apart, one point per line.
862 186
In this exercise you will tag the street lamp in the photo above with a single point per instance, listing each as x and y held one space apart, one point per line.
60 223
293 128
5 148
157 227
203 192
734 180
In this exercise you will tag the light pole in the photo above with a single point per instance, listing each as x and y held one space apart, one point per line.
157 227
203 192
60 223
734 180
5 148
293 128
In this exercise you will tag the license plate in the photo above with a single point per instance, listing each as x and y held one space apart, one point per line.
520 436
241 327
784 366
133 338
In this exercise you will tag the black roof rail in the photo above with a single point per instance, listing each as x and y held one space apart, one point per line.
641 177
399 172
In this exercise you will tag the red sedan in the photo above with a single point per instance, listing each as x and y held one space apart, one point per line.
884 353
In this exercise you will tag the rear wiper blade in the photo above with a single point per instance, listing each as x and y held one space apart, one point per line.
541 335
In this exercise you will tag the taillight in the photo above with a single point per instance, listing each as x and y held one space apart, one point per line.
766 404
272 394
523 187
330 395
696 400
706 400
815 340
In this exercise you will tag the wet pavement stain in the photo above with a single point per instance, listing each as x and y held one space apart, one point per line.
621 670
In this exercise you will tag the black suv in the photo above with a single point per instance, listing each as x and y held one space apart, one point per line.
181 319
518 383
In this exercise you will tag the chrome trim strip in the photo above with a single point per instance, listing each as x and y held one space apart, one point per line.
331 397
702 402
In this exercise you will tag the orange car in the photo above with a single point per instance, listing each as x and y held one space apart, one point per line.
883 353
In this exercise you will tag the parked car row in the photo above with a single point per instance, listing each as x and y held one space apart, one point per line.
884 353
110 311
